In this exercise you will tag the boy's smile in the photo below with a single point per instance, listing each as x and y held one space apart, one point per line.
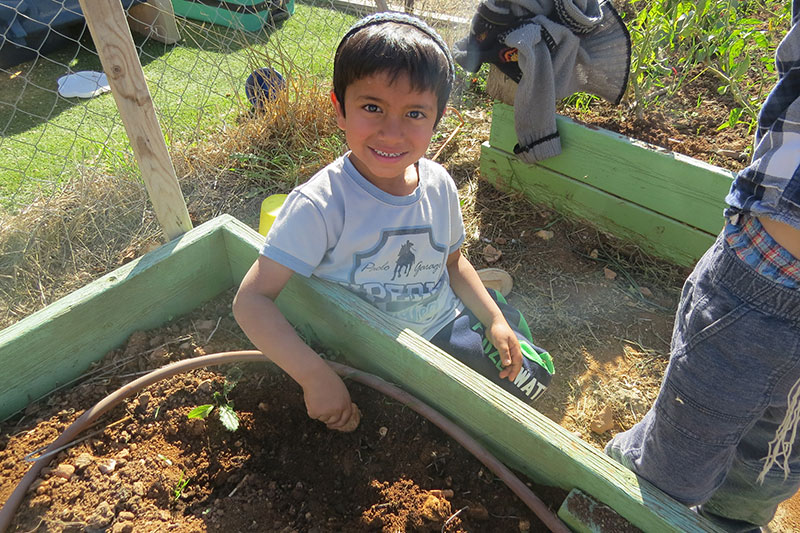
388 128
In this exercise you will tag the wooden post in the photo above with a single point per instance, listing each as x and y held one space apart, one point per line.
381 5
500 87
155 19
112 37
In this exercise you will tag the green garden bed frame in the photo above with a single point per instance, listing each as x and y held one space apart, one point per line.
668 204
58 343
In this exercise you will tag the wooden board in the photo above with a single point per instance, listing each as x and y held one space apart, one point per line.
59 341
655 233
674 185
57 344
112 38
155 19
677 187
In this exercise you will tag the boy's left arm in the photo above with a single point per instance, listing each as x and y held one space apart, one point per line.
468 287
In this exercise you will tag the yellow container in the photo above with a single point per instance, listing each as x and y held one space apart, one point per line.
269 210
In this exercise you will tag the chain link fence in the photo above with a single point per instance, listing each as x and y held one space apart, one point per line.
72 202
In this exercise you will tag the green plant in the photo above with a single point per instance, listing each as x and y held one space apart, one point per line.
177 491
581 101
469 88
223 404
674 42
736 116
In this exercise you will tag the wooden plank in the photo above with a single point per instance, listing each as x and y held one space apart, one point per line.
501 87
112 38
57 344
520 436
652 231
155 19
679 187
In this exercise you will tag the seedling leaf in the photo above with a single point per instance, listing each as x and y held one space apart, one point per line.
228 417
201 411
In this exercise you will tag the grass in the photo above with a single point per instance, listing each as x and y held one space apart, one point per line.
197 87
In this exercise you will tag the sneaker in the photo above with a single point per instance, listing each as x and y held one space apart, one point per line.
497 279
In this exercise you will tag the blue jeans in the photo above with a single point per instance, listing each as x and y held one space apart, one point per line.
735 359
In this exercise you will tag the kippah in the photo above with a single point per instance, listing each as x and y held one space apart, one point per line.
401 18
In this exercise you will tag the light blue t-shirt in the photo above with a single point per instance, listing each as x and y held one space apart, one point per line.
389 250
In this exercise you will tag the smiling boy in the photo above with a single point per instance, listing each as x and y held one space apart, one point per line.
385 223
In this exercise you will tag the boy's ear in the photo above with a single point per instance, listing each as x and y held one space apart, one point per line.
337 106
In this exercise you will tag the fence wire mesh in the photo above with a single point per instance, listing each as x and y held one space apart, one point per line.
72 202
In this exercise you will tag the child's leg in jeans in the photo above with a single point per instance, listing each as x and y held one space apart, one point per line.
742 501
735 358
464 338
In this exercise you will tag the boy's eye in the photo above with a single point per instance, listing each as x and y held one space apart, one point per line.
371 108
416 114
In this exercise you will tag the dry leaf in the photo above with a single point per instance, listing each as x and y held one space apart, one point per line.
594 253
544 234
647 293
609 274
604 421
491 254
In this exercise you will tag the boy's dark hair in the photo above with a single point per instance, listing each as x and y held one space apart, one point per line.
395 44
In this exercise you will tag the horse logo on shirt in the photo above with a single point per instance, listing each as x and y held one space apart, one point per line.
405 260
402 273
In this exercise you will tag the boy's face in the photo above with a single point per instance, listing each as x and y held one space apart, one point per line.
388 128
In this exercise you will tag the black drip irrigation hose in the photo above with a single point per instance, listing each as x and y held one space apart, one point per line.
519 488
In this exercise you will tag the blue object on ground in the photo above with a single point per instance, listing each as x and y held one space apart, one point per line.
263 86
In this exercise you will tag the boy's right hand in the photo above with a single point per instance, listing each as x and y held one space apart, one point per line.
328 401
326 396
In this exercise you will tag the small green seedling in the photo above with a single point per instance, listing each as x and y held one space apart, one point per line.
225 412
179 486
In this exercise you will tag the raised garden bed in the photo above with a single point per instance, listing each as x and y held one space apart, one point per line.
57 344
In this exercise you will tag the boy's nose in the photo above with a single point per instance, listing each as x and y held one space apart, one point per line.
392 126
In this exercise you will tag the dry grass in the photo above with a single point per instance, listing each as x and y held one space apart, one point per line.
265 153
60 243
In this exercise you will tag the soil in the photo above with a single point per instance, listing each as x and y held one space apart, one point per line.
602 309
678 123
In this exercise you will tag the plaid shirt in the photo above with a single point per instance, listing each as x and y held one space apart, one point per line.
770 185
758 249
